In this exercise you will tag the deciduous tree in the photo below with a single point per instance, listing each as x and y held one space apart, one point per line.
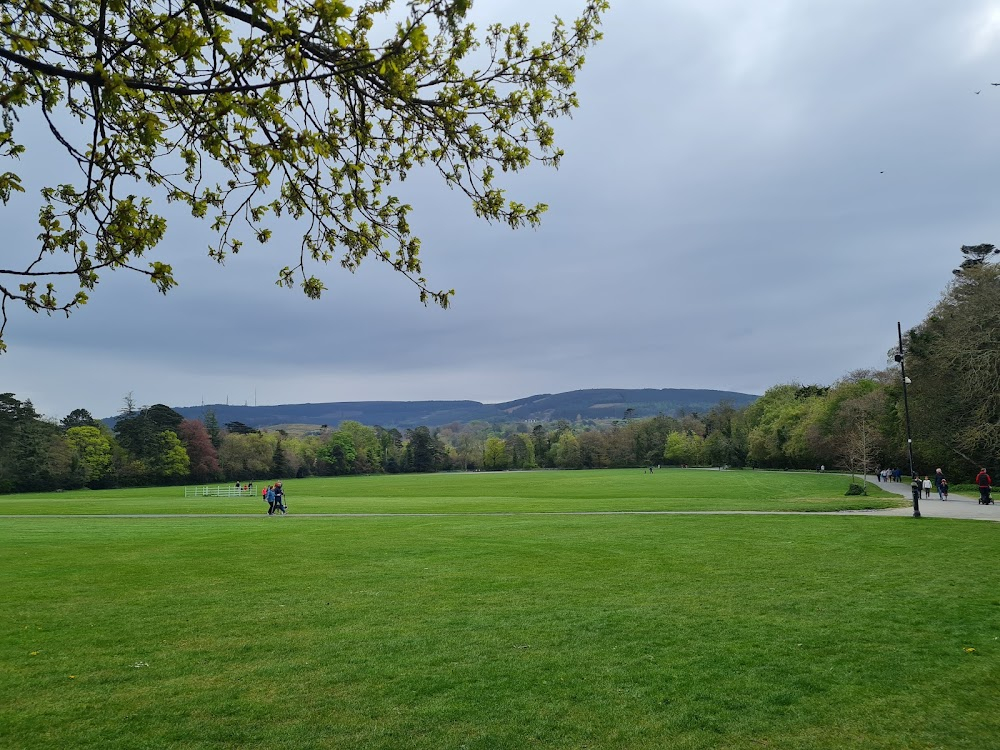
198 444
340 452
567 451
92 450
245 457
248 111
494 454
953 360
169 461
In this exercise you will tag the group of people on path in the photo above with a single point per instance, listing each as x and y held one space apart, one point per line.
274 496
983 481
918 486
925 484
890 475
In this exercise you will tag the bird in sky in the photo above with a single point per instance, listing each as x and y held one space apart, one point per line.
977 93
995 84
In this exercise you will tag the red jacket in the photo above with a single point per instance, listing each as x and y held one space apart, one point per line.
983 479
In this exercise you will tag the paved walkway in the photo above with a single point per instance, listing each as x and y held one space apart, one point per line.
957 506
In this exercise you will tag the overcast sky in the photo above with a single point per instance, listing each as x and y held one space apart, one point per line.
753 193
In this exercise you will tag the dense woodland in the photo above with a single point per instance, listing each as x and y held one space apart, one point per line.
952 359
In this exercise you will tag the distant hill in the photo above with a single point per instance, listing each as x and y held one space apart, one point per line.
593 404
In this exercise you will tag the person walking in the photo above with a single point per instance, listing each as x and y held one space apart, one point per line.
927 488
279 498
984 483
270 500
938 478
915 490
943 488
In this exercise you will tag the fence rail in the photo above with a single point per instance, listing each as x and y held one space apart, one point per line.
220 490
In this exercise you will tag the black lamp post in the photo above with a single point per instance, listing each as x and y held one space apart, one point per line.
906 411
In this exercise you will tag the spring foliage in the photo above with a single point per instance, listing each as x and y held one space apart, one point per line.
250 110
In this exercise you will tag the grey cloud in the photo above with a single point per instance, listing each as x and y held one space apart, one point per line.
752 194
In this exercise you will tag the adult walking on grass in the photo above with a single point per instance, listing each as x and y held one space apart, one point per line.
279 498
270 500
984 483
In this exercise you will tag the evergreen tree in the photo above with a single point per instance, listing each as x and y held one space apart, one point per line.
78 418
279 462
421 450
214 431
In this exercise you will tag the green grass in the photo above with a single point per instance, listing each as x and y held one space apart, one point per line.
969 490
503 492
487 632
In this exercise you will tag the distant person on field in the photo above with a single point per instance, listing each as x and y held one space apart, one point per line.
269 496
984 483
279 498
927 488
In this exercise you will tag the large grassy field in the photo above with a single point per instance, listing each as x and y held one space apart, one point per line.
503 492
500 631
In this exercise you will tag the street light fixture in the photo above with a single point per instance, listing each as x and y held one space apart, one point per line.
906 411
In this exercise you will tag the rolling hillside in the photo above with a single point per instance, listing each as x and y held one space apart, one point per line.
593 404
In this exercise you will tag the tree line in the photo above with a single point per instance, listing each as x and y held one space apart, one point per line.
952 360
791 426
